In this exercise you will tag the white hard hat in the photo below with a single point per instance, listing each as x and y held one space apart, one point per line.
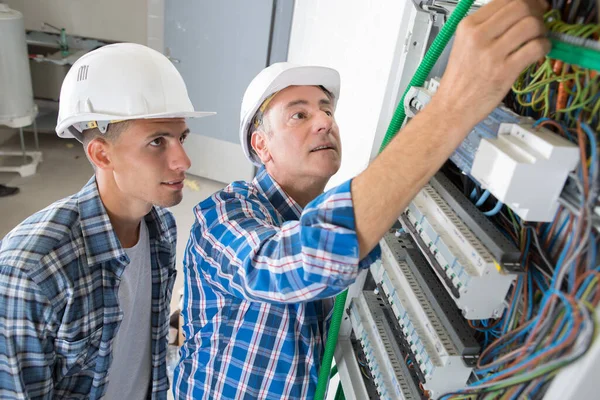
275 78
120 82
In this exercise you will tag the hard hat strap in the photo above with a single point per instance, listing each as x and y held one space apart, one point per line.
101 125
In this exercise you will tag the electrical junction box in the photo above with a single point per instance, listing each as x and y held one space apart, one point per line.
525 168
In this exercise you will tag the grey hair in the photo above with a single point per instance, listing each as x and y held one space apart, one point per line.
259 123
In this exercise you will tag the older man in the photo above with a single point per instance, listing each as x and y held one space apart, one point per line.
264 255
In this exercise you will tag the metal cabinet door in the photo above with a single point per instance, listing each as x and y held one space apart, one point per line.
218 47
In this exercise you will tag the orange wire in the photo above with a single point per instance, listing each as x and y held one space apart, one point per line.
538 358
525 294
554 124
562 95
564 239
580 281
553 227
425 392
577 320
582 143
524 348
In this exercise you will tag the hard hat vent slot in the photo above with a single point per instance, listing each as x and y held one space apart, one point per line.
82 73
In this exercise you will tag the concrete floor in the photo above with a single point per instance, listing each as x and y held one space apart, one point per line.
64 171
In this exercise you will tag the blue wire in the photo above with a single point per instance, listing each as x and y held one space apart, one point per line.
548 226
563 321
492 354
583 285
539 280
572 277
561 259
551 347
527 244
494 210
530 288
566 318
483 198
536 388
473 194
512 305
593 250
557 234
594 150
517 218
546 231
515 396
524 332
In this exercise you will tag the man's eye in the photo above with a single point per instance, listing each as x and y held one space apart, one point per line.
299 115
156 142
182 139
329 113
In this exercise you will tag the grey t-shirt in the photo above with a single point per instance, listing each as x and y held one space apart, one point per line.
129 374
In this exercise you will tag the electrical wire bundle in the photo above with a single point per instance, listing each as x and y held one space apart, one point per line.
550 320
563 92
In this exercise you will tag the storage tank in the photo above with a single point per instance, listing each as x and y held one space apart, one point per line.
17 108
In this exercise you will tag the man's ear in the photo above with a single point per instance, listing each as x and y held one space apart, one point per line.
98 151
259 143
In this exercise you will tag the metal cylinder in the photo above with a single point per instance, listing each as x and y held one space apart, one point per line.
17 108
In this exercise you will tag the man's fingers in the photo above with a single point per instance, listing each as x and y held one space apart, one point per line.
529 53
487 11
527 29
491 9
510 15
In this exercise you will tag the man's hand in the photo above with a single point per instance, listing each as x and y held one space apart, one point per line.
491 48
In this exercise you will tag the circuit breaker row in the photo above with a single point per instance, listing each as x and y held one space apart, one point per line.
435 273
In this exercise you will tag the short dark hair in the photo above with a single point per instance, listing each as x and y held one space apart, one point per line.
112 133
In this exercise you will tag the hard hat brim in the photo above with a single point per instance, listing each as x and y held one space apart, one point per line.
63 131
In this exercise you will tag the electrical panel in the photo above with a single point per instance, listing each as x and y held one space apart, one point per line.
389 372
494 263
477 283
511 157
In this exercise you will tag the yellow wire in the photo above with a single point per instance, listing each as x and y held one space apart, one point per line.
591 285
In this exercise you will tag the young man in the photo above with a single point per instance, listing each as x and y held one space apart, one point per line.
264 255
85 284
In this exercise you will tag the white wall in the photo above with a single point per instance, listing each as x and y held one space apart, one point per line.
118 20
359 39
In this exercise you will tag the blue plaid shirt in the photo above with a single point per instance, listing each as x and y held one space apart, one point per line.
59 312
259 276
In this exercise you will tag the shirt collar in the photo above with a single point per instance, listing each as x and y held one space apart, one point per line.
100 241
287 207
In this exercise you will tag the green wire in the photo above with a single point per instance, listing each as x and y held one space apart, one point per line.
514 220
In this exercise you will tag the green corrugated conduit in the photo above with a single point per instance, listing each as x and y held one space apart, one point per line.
431 57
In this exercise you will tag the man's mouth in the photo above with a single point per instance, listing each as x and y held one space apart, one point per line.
177 185
324 147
